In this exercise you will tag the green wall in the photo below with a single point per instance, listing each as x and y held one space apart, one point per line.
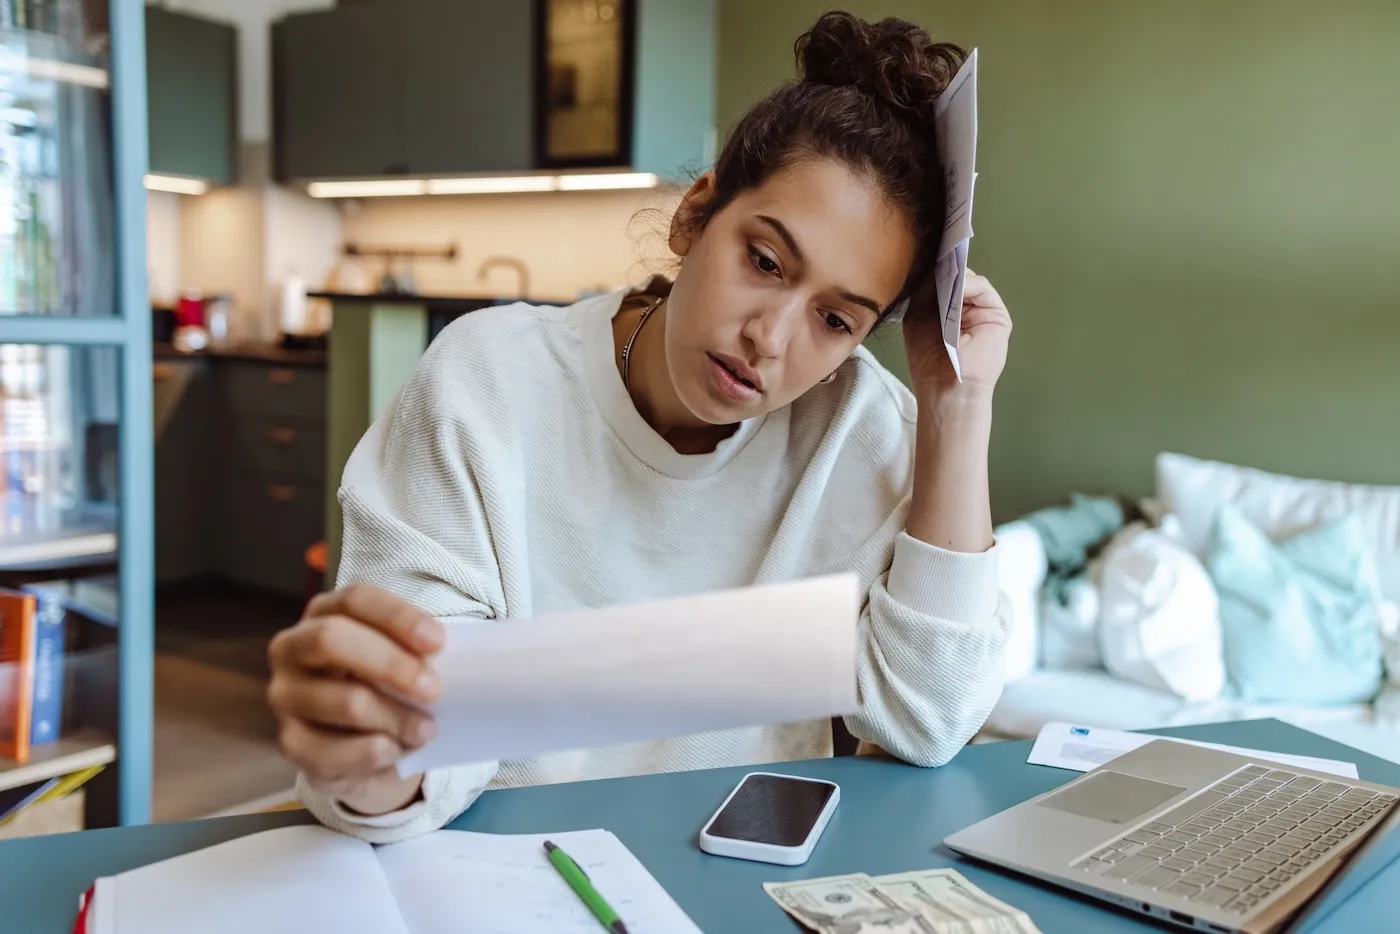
1192 210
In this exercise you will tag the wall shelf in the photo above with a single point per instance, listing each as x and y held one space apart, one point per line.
80 750
40 57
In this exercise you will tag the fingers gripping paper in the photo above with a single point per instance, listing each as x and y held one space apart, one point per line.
955 122
780 653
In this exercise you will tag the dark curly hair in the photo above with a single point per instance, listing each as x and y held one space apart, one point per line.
865 97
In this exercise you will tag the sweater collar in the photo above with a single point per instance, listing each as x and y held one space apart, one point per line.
616 406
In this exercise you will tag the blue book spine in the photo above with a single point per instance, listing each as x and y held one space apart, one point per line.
46 713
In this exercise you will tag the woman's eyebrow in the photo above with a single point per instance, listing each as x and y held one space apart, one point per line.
781 230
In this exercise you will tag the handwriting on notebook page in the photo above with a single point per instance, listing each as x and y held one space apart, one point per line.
504 884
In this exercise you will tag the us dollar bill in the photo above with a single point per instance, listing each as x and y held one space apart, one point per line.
955 905
851 904
930 901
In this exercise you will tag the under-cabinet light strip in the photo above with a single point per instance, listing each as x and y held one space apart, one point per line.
501 184
176 184
601 182
491 185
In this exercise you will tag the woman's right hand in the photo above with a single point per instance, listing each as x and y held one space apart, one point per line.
340 679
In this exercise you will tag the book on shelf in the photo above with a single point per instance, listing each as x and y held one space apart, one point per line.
14 801
46 703
51 512
35 447
17 637
32 632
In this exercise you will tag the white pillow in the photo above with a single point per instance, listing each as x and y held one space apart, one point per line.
1159 617
1021 570
1069 634
1390 641
1279 506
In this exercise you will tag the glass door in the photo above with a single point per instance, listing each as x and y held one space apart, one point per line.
75 406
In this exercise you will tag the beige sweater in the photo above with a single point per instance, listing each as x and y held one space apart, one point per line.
513 476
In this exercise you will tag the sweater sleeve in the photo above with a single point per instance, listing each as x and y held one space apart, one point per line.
930 663
401 534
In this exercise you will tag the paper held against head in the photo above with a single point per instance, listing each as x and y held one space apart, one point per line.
778 653
955 125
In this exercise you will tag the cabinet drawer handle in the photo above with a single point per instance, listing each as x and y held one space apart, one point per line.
281 435
282 492
161 372
281 376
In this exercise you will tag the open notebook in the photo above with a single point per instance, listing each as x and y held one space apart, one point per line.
300 879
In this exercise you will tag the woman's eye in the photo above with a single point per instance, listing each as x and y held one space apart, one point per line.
763 262
837 323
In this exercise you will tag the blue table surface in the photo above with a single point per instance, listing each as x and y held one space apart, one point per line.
892 818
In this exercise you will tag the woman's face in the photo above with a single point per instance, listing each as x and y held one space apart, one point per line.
780 287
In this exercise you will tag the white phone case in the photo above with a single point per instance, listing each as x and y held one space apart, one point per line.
770 852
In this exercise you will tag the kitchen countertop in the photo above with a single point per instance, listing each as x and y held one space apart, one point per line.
435 302
255 351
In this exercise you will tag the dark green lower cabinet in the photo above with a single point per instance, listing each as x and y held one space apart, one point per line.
240 471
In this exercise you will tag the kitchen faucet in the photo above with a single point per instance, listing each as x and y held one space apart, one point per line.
522 271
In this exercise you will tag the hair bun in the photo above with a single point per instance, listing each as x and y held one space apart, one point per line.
892 60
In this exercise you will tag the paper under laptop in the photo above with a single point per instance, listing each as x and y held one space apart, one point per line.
955 123
1083 748
779 653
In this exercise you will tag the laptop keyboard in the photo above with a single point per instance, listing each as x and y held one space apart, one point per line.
1239 841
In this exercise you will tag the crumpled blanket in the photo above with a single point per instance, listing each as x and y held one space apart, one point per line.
1070 533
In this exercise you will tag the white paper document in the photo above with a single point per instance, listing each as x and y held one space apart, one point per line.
1081 748
955 125
779 653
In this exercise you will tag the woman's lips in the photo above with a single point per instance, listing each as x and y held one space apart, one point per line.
729 384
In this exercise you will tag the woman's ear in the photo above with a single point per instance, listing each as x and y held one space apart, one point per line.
685 222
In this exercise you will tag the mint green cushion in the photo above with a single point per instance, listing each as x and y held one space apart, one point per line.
1301 617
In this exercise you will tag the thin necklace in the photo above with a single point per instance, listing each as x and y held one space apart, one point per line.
627 347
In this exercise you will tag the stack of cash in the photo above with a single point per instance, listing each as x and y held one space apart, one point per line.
929 901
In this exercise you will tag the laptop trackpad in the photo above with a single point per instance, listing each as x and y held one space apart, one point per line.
1112 797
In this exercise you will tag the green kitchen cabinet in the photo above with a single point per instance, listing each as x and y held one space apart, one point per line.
240 469
192 96
445 87
186 460
338 93
429 87
274 419
467 88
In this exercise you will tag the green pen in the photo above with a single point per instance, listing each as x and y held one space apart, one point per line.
583 887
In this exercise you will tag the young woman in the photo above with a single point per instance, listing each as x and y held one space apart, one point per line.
723 430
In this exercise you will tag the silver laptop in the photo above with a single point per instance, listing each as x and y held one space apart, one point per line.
1207 839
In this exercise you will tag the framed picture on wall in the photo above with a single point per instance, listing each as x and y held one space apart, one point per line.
584 61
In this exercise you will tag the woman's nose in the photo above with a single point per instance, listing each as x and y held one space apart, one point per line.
770 329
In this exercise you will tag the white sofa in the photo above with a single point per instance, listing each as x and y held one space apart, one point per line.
1191 490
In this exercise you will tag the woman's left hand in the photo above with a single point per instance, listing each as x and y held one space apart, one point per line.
982 346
